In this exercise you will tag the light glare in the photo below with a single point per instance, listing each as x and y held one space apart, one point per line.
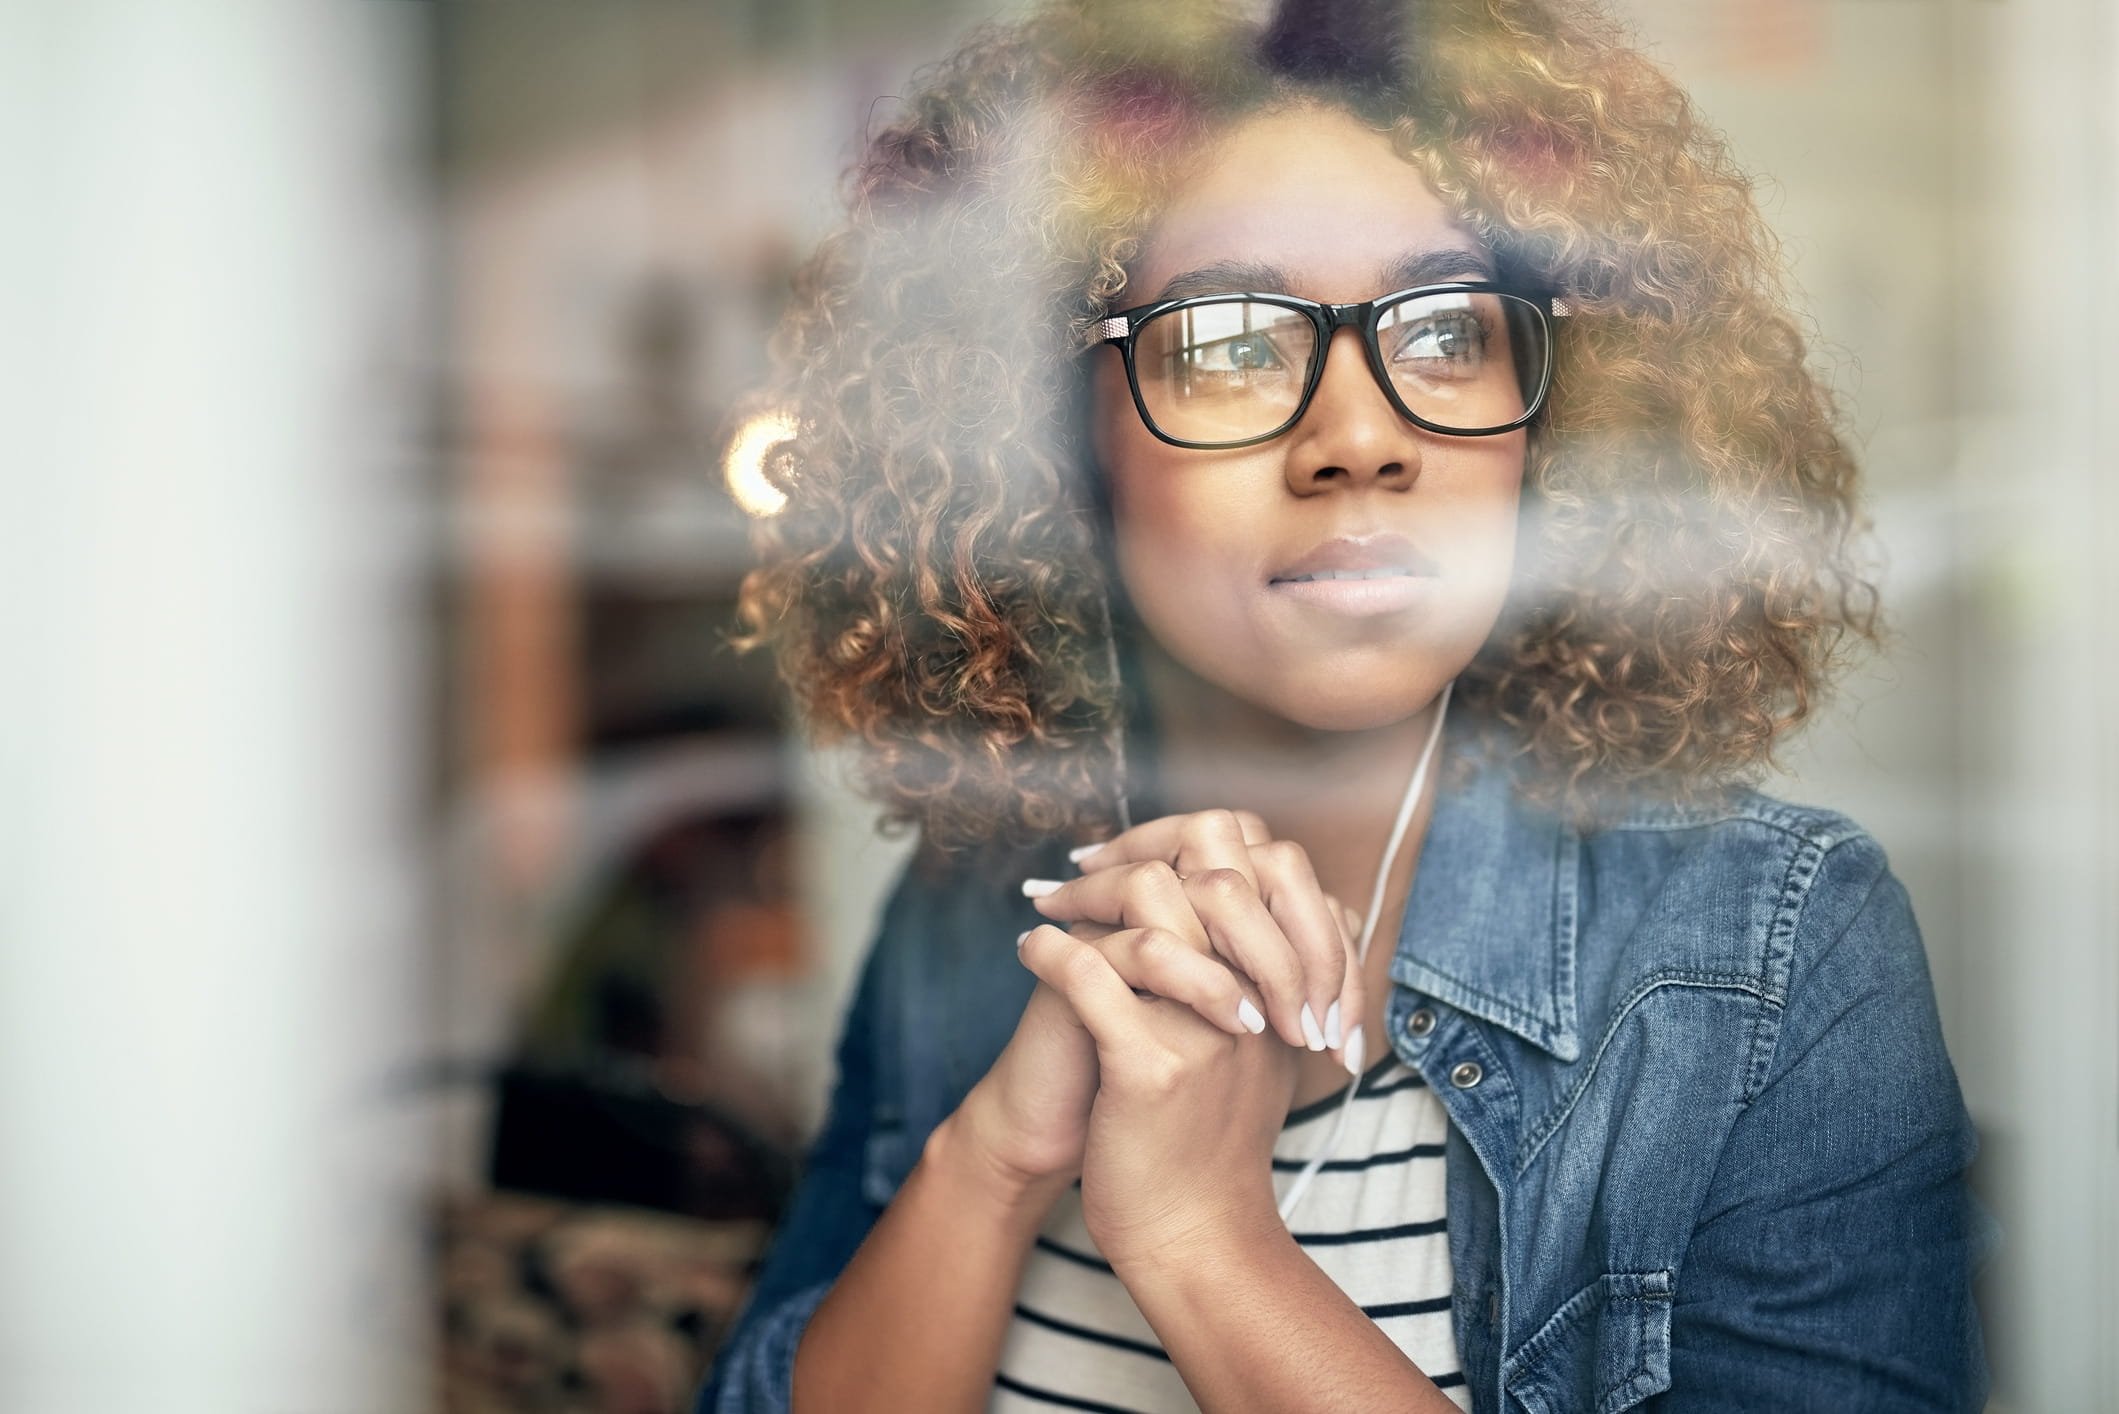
744 467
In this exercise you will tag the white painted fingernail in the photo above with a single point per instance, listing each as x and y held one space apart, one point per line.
1078 855
1019 938
1354 1051
1248 1015
1310 1033
1038 888
1332 1038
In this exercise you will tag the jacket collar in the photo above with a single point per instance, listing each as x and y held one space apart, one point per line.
1490 926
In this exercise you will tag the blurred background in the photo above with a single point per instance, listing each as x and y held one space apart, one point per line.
422 940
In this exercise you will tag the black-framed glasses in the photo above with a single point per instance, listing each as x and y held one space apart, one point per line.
1468 359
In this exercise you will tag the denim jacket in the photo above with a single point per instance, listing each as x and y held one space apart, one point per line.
1706 1148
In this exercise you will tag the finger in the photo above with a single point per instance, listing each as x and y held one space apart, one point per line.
1353 997
1191 844
1079 972
1244 932
1144 895
1289 889
1158 961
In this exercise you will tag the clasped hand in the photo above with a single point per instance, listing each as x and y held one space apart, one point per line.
1157 1056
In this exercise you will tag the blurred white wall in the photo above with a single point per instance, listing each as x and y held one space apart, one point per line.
2038 475
209 938
1944 174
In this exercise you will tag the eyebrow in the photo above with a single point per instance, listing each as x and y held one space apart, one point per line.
1433 267
1226 277
1426 267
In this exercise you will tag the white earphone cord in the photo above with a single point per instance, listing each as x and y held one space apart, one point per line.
1413 789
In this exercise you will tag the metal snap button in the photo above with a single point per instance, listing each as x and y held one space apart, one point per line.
1420 1022
1466 1074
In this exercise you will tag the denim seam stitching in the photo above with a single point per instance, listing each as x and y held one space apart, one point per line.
1766 1065
1825 827
1532 1027
1776 964
1534 1141
1570 1312
1567 913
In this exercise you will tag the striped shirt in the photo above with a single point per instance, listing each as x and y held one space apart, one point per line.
1373 1220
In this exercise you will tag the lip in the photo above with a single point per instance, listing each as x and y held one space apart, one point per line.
1361 554
1359 598
1393 574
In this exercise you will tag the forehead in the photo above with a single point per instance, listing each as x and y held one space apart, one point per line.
1308 191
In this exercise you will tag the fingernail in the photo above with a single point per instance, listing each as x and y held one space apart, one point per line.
1332 1038
1019 937
1248 1015
1310 1033
1078 855
1354 1053
1038 888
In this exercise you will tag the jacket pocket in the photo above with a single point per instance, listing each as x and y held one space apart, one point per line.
1606 1349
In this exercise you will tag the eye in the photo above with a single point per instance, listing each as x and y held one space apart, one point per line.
1241 353
1444 344
1225 348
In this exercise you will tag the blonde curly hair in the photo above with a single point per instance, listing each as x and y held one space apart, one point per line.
939 585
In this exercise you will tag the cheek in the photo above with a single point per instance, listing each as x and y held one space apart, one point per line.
1185 544
1186 533
1469 518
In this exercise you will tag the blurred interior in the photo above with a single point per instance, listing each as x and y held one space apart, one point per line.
428 935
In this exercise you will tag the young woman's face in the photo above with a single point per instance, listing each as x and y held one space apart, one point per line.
1210 544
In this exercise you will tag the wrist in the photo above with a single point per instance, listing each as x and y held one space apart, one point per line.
1215 1246
957 1150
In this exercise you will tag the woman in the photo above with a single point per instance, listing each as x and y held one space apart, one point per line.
1348 480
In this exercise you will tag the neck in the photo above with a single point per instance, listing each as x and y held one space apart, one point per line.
1336 793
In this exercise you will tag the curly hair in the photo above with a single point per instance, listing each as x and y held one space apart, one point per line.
939 584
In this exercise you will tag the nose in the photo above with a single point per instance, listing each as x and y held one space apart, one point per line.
1351 434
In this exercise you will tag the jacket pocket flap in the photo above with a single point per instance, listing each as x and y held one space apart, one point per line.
1606 1349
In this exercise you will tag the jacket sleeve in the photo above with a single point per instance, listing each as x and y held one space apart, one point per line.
1832 1265
826 1220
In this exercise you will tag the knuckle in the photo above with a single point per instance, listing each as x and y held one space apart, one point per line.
1153 873
1156 948
1081 966
1252 824
1217 821
1162 1072
1285 853
1222 883
1277 971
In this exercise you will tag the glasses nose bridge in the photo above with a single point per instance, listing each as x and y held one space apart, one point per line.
1333 318
1344 316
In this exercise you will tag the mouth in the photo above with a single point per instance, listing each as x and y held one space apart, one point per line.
1381 572
1359 576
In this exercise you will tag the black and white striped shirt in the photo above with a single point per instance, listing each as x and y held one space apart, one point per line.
1373 1220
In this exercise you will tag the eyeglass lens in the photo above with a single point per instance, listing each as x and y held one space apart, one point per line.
1231 370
